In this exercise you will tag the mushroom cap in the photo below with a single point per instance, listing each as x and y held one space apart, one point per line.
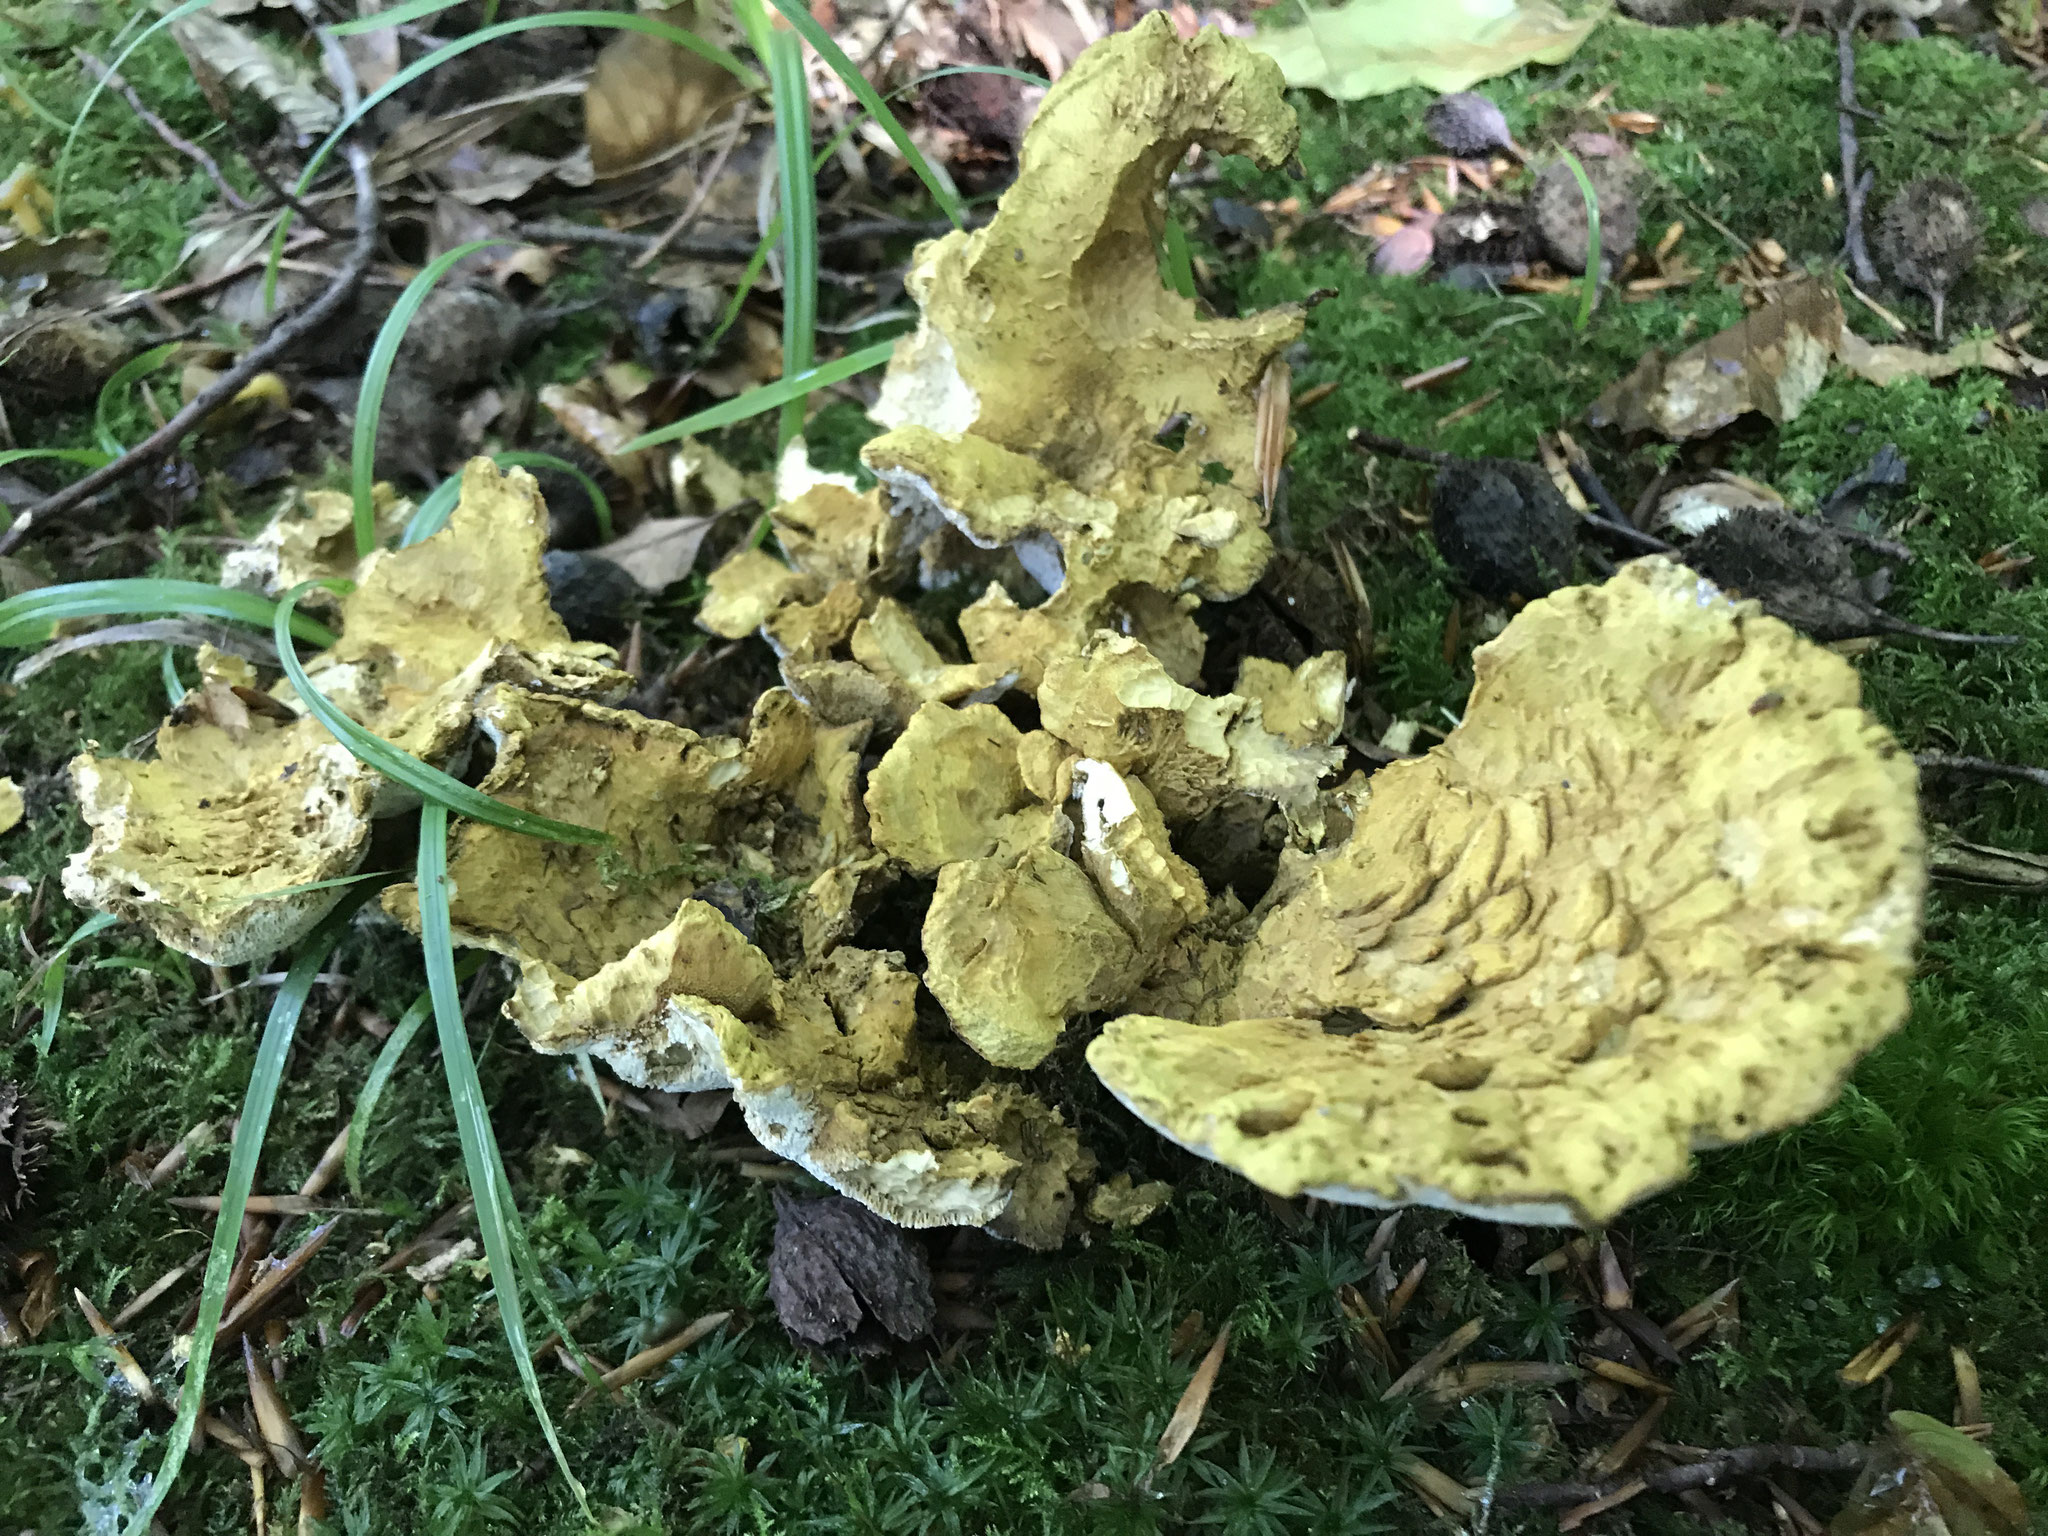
1658 891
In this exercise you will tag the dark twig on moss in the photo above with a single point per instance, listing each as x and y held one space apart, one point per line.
1855 184
1707 1472
1982 765
281 339
163 130
1885 621
1393 447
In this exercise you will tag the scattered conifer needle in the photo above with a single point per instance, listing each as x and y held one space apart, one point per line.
1872 1361
1436 1485
264 1291
1187 1414
653 1358
154 1294
1623 1375
1452 1347
1969 1391
1579 1514
219 1429
272 1417
131 1373
1630 1445
1405 1291
1383 1234
1692 1324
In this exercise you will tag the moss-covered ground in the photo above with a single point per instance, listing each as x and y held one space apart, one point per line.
1924 1191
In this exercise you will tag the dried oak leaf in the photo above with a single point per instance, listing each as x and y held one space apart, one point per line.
1772 360
1927 1478
1617 916
837 1264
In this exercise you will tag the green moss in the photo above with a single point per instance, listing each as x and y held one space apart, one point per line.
1924 1190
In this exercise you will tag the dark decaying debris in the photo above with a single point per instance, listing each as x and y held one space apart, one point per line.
837 1265
1473 242
1802 571
1500 524
1557 209
1930 234
595 598
23 1139
1467 124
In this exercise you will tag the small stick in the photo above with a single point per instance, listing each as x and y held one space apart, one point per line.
703 192
1393 447
137 1379
149 1298
264 1291
1901 627
1854 187
163 130
1983 765
652 1359
281 339
1707 1472
1453 1345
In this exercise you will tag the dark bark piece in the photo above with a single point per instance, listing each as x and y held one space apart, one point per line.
836 1263
1797 567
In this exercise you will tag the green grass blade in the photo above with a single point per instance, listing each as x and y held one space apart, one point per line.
398 15
496 1214
25 619
55 970
600 504
432 514
944 193
174 690
92 96
91 458
276 1045
431 783
767 397
116 388
388 1057
1176 265
377 374
749 275
798 187
1589 289
625 20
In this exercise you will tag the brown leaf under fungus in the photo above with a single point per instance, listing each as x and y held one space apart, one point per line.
1616 916
1025 410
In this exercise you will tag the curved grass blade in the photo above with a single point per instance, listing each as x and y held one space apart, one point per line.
414 10
767 397
1589 289
55 971
174 690
1175 263
380 1074
600 504
377 374
783 52
179 13
90 458
137 368
627 20
256 1106
431 515
24 619
944 193
496 1214
436 787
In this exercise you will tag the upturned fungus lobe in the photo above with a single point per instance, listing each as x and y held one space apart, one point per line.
1658 891
220 845
1027 409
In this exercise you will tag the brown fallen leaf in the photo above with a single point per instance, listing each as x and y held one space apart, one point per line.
646 96
1571 1519
1624 1375
1969 1392
280 1436
1404 1293
1187 1413
1630 1445
137 1378
1693 1324
1926 1478
1771 361
1887 364
1185 1334
659 552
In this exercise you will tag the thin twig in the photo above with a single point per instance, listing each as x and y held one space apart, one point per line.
1627 533
1983 765
541 231
1704 1473
1894 626
163 130
1393 447
704 185
281 339
1854 187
